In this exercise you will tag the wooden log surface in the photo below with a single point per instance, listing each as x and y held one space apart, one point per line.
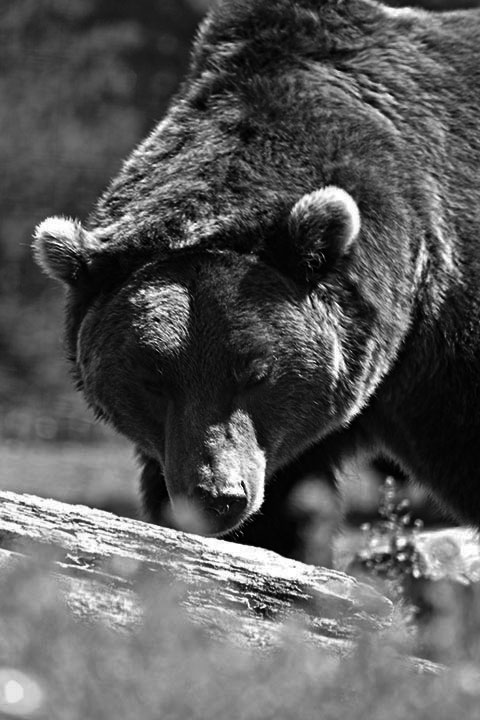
245 592
450 554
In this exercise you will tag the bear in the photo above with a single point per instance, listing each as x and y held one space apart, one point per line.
286 271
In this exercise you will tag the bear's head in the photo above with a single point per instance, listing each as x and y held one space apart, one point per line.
220 366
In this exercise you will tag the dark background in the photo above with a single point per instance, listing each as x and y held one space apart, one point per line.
81 82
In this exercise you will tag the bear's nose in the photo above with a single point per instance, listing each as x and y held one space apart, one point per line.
224 505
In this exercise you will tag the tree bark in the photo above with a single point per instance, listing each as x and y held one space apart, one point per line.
243 593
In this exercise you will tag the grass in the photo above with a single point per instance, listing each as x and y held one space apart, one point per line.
103 476
52 666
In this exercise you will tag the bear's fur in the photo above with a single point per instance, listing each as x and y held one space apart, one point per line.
287 270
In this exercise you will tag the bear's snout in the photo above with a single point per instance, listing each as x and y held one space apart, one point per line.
214 472
220 509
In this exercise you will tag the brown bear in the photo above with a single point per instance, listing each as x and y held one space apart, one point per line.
285 271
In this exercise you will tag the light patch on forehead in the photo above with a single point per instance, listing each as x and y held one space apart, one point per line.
162 316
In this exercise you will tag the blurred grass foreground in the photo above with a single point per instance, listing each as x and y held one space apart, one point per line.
53 666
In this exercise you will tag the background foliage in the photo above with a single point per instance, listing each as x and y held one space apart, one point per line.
81 82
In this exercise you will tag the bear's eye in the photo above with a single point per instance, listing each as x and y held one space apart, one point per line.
154 388
152 380
252 375
155 398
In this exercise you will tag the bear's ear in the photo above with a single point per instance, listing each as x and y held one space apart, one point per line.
63 248
322 227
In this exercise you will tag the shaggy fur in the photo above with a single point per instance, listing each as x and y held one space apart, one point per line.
290 262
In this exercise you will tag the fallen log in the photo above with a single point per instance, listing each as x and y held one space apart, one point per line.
242 592
449 554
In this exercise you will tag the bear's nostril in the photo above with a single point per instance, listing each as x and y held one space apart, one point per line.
202 496
221 508
229 503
